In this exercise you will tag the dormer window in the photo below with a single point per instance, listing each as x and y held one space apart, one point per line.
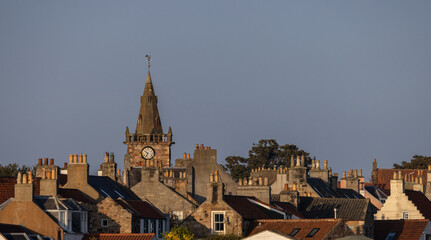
218 221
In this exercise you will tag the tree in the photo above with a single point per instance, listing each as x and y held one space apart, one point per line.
178 233
417 162
266 153
12 169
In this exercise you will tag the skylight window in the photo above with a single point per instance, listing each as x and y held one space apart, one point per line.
105 193
313 232
390 236
294 232
119 194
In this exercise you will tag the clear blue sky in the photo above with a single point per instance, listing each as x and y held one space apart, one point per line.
347 81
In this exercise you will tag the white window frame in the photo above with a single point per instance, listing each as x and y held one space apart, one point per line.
213 213
179 215
405 215
84 222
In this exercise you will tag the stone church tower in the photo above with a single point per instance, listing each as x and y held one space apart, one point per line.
148 144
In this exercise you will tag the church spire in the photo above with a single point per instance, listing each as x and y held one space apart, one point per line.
148 118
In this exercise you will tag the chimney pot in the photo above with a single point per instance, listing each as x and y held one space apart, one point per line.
84 158
188 155
112 157
286 187
185 155
395 176
197 146
313 164
106 157
45 161
65 165
53 174
265 181
39 161
325 164
202 146
51 161
75 158
24 178
344 174
318 164
80 158
70 158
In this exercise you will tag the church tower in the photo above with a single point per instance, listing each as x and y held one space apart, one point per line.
148 143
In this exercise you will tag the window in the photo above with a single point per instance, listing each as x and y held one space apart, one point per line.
104 222
143 226
84 220
390 236
218 221
178 215
152 226
405 215
159 227
313 232
294 232
62 218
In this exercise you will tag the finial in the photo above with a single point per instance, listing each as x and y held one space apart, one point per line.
148 61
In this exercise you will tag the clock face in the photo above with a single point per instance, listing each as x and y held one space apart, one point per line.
148 153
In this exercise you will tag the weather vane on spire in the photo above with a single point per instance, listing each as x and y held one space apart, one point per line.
148 60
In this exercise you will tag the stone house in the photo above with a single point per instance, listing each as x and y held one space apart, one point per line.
227 214
198 168
61 219
356 213
302 228
404 204
130 216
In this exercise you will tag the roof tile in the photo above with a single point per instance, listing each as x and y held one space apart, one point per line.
404 229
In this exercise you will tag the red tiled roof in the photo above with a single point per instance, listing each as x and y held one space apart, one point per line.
384 176
119 236
247 209
7 188
404 229
286 227
75 194
141 208
421 202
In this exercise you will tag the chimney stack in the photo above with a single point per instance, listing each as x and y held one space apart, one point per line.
49 183
24 188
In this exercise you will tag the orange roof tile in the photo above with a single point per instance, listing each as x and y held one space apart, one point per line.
119 236
303 226
403 229
384 176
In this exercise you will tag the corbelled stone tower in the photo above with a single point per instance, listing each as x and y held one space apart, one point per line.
148 143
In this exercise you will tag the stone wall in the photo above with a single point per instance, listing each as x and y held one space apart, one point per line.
199 223
198 171
160 195
119 219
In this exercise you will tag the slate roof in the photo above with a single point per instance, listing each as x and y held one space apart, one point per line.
305 226
141 209
54 203
75 194
375 191
249 210
288 208
119 236
11 228
347 209
109 188
384 176
323 189
404 229
7 187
